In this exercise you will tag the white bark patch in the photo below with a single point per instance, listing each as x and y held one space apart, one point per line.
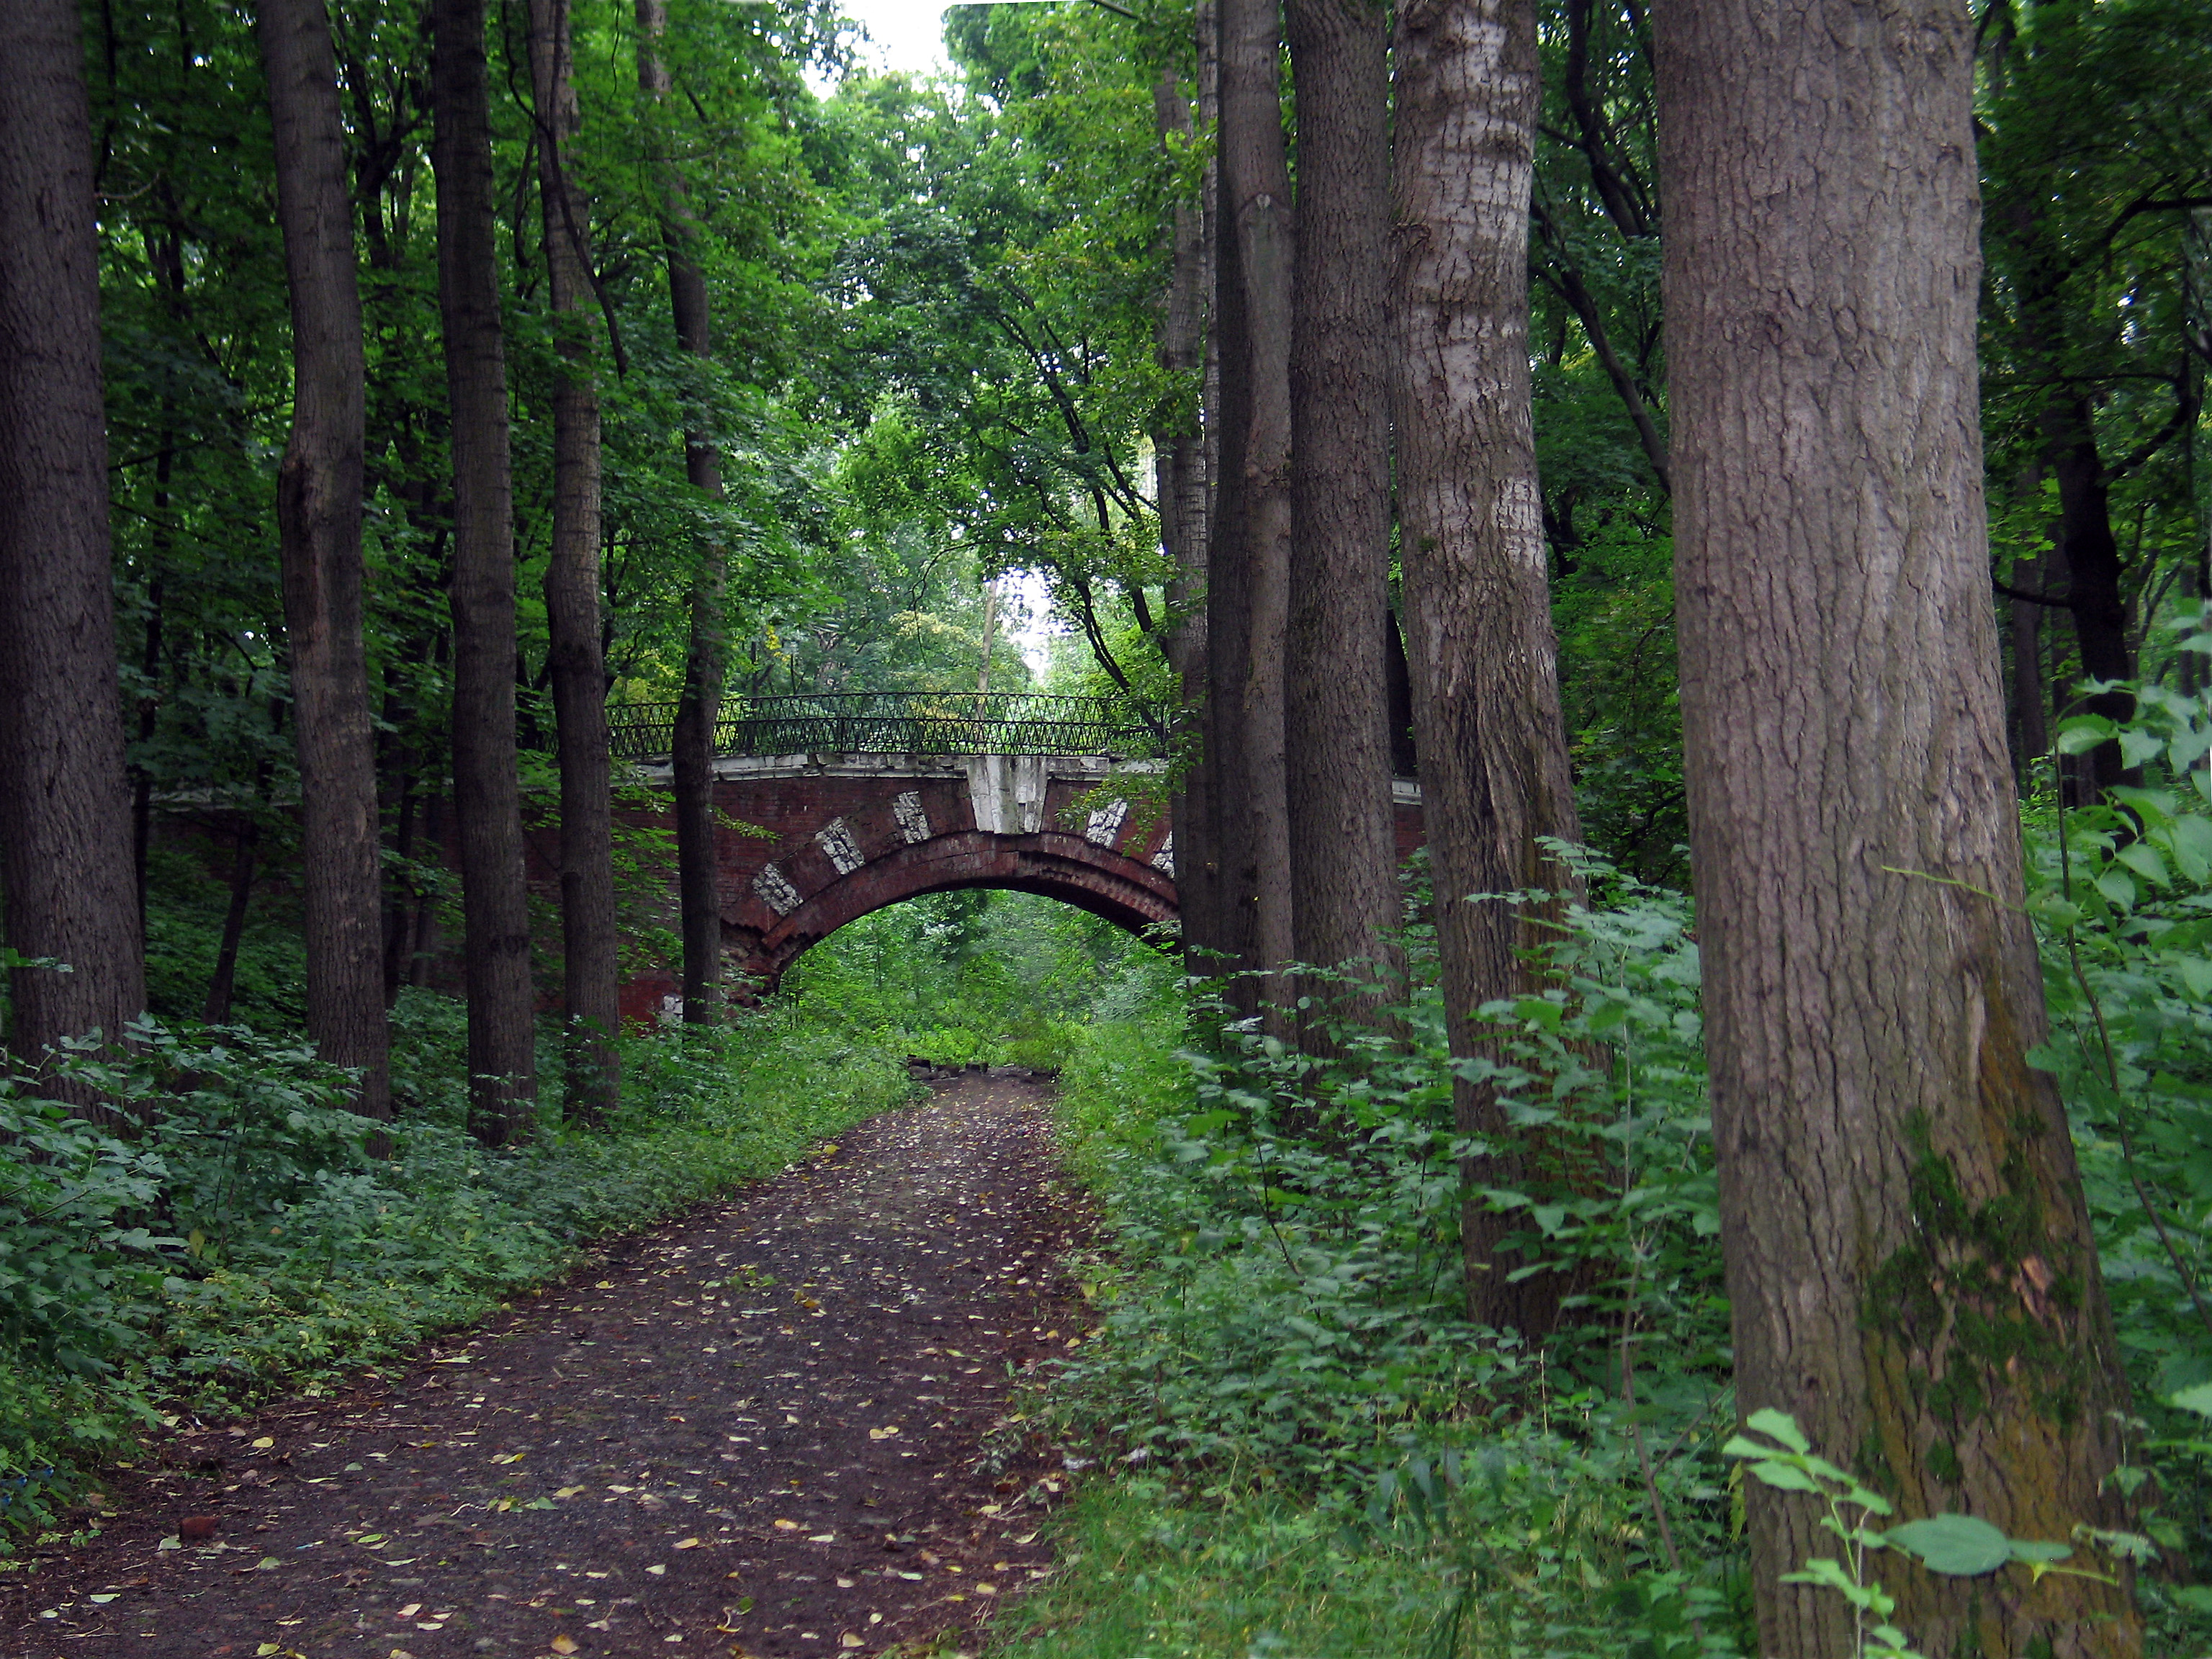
1164 860
835 839
1520 518
1105 823
775 891
913 821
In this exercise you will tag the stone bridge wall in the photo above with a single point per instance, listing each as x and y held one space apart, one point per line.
811 842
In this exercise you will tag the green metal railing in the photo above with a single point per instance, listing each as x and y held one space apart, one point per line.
898 723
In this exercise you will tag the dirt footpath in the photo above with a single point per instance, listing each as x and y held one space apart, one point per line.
777 1426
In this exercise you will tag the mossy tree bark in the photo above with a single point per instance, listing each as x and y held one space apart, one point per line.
1908 1258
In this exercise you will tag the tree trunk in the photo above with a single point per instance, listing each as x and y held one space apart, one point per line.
700 707
1343 834
2031 728
1909 1259
65 861
2091 554
319 514
590 969
1479 640
223 982
1256 216
1179 444
487 790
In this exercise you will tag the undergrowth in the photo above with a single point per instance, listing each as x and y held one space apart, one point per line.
244 1242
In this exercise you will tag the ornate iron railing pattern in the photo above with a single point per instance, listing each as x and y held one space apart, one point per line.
897 723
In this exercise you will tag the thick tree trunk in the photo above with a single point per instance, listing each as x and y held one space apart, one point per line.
705 652
590 969
1909 1259
65 864
1343 834
1257 217
1479 640
1182 489
487 790
318 515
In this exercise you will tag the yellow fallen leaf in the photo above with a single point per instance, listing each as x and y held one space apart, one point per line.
409 1611
562 1644
657 1570
786 1526
687 1543
849 1640
264 1443
604 1285
884 1433
568 1491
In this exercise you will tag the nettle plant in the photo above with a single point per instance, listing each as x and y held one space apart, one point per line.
1776 1452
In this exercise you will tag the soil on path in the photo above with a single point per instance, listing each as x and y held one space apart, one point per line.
778 1426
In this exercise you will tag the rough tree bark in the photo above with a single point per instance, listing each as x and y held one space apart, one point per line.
1256 515
590 969
318 518
1343 833
65 864
1909 1259
1478 642
487 789
1179 444
706 650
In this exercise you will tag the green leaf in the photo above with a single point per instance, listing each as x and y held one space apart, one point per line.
2197 1399
1783 1477
1956 1545
2137 746
1779 1425
2084 733
2142 857
2117 889
2038 1549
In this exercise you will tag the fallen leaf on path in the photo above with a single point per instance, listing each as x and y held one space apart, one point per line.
657 1571
264 1443
409 1611
883 1433
568 1491
687 1543
786 1526
849 1640
562 1644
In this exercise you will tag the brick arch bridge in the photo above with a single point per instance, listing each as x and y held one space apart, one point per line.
835 807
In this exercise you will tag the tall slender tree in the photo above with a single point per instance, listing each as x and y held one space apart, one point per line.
487 788
590 969
1249 619
1344 890
1181 487
706 650
66 859
319 517
1479 643
1910 1267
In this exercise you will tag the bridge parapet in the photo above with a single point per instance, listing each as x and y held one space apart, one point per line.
1027 723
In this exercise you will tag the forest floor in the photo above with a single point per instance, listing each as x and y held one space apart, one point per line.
666 1453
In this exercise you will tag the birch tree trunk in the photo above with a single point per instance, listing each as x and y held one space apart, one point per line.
65 860
1343 831
705 652
1478 642
1909 1259
589 972
318 515
487 790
